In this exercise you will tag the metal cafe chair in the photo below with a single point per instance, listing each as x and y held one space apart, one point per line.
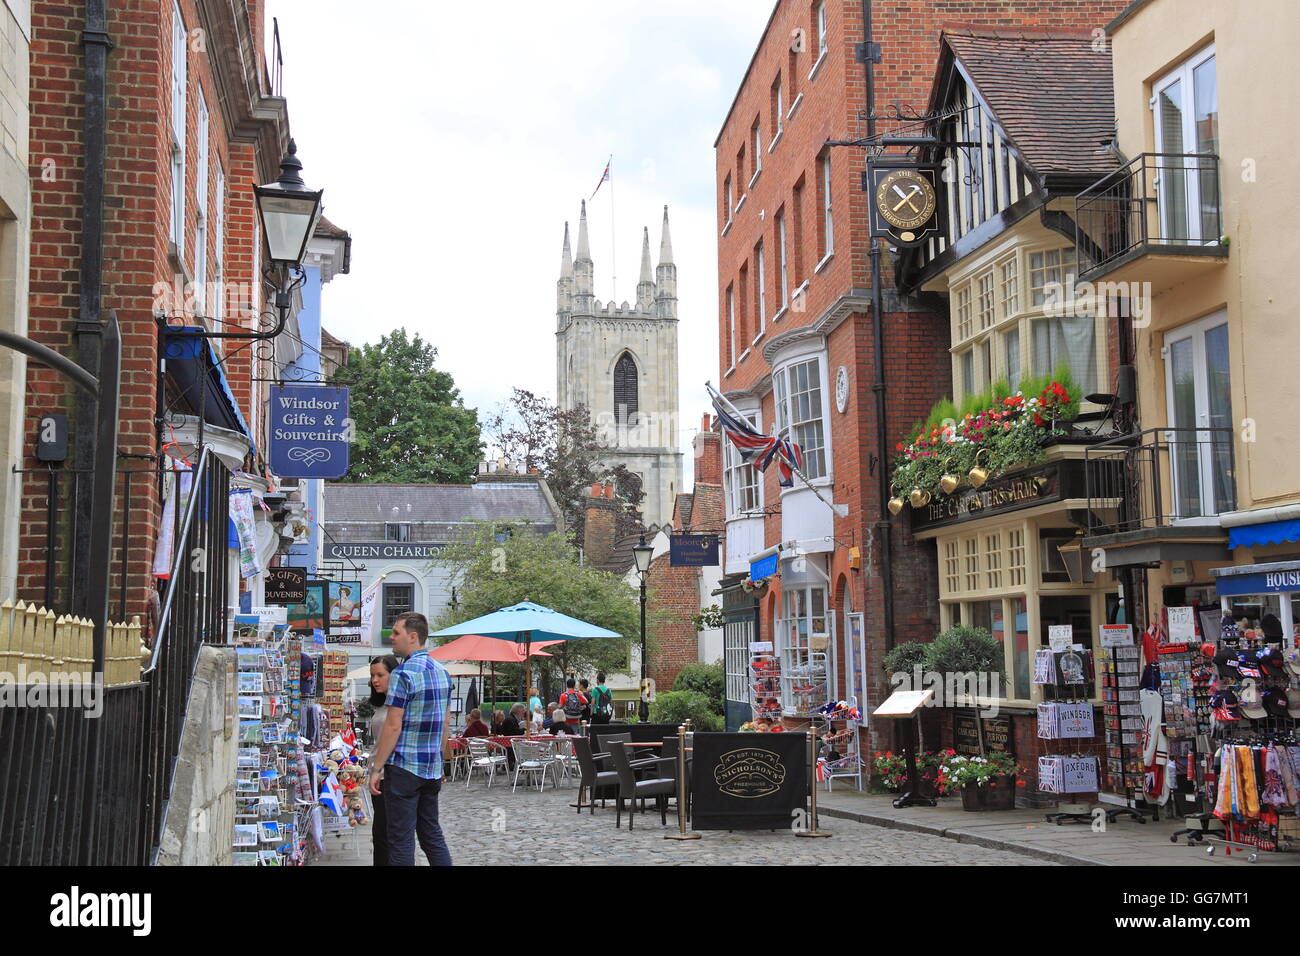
484 756
630 788
591 776
533 757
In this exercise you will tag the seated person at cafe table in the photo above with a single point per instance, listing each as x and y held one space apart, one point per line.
498 718
558 724
513 724
475 726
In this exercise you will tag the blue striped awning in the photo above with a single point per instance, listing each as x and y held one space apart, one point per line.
1270 532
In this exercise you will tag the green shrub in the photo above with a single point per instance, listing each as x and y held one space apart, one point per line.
675 706
902 658
707 679
962 649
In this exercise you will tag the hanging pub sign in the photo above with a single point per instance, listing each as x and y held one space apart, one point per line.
692 550
905 204
748 781
310 431
286 585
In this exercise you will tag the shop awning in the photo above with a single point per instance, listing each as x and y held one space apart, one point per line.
194 367
1272 578
1270 532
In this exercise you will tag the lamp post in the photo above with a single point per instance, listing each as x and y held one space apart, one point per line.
642 553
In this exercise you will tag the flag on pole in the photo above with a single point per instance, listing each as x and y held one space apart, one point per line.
754 447
604 177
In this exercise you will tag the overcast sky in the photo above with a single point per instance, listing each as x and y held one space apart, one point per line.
454 141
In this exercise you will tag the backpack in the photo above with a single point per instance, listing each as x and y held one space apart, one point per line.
604 702
572 706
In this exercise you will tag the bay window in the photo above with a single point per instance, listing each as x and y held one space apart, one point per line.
797 389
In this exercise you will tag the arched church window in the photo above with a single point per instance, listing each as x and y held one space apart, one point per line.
625 390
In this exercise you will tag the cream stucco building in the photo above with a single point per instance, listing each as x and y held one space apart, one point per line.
620 361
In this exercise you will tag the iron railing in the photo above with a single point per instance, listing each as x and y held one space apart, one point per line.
1167 202
1159 477
81 790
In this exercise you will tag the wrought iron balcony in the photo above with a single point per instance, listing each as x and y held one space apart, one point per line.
1161 478
1165 205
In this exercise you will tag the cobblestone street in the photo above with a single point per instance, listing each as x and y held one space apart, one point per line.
497 827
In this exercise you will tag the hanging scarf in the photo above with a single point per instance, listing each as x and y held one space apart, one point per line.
1226 802
1247 786
1272 793
1289 782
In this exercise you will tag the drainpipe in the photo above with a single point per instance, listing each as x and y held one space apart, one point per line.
88 330
882 525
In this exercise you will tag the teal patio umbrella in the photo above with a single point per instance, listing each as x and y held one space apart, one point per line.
526 623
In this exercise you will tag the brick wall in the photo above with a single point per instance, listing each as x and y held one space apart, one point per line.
917 364
137 265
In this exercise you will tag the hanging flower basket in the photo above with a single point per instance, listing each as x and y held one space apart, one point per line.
756 588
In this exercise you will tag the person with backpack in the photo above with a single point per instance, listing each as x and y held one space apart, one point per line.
584 688
572 701
602 703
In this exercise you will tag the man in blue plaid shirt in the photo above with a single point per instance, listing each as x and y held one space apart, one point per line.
412 744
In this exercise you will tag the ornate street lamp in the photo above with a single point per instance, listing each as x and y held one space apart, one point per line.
289 212
641 554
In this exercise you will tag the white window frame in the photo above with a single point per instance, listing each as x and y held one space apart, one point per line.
180 86
760 263
757 145
740 476
731 326
780 111
219 251
1183 74
201 206
792 427
820 19
828 219
794 644
783 261
726 199
1195 332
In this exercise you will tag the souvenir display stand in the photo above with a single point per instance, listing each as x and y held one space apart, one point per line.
269 829
764 683
841 744
1067 715
1119 665
1251 783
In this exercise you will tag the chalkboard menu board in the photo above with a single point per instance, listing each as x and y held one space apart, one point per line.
997 734
748 781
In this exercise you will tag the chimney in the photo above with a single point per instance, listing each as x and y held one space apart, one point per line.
599 523
708 454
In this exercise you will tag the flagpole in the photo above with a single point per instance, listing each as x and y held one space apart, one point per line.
793 467
613 235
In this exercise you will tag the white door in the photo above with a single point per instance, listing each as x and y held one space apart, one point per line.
1186 108
1199 389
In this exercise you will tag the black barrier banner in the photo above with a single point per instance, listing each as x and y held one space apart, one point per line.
749 781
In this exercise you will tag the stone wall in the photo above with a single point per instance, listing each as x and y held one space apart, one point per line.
201 815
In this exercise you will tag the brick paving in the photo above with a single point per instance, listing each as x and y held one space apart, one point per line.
497 827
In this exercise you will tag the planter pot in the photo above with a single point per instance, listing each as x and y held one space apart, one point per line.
972 797
1002 796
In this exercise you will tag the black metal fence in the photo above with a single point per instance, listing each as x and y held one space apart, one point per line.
1165 200
1159 476
94 790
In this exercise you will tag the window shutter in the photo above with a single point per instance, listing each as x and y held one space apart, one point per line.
625 390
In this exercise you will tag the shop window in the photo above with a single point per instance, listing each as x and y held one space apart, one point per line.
1074 610
952 566
986 299
1050 562
1016 557
737 633
798 392
1011 349
1020 654
804 639
993 561
972 564
965 322
1010 276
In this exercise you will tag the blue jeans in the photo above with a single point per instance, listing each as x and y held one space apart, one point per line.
411 804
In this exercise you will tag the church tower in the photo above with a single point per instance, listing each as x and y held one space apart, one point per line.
620 360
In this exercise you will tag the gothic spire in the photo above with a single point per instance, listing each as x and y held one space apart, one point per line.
666 243
645 289
566 261
584 248
665 289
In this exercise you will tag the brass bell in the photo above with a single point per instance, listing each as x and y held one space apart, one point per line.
949 482
919 497
979 474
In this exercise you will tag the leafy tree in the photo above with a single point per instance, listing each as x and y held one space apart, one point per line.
410 424
565 448
706 679
495 565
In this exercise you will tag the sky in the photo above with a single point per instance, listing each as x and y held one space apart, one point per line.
453 147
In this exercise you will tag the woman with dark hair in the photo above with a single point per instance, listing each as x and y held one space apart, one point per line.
380 668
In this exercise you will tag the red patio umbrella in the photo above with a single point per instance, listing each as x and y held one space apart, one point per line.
479 647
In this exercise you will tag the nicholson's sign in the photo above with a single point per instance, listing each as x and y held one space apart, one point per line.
383 550
310 431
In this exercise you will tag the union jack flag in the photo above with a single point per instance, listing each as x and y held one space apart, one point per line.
604 178
756 448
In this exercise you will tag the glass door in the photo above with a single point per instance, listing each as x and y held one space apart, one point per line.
1200 397
1186 108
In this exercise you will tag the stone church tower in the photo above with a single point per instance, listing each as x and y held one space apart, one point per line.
621 362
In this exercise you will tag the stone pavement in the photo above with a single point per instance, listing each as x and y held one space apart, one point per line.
1123 843
496 827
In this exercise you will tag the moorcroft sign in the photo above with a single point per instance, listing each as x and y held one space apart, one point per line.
391 550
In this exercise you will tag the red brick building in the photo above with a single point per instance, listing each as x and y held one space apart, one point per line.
190 123
797 338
